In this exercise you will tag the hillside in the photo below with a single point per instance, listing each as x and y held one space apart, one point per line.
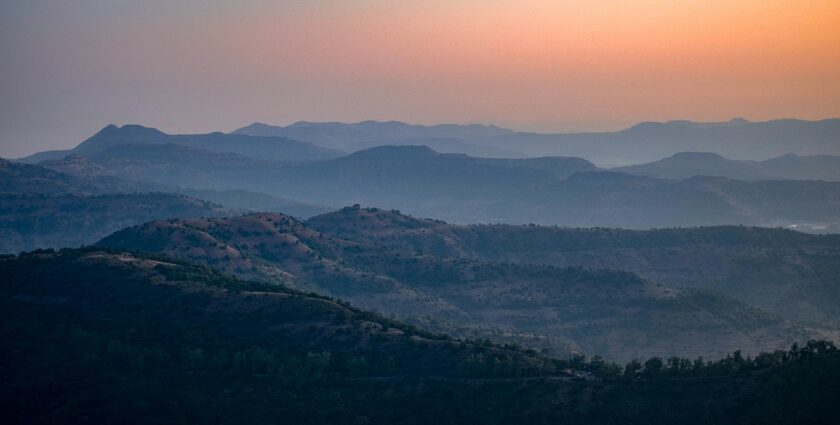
28 222
44 208
107 337
23 178
794 275
786 167
615 314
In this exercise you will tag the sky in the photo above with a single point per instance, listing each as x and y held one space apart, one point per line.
70 67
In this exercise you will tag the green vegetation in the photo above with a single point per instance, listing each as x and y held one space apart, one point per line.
107 337
790 274
440 285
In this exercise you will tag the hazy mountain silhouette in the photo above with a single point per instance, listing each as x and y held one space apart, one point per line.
449 138
265 148
786 167
178 169
645 142
464 189
460 188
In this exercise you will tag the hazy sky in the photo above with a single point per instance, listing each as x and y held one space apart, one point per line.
69 67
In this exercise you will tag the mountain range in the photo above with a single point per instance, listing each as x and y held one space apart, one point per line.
269 148
645 142
220 280
460 188
787 167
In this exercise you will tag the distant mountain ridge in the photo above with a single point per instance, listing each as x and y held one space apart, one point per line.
264 148
445 138
650 141
464 189
643 142
787 167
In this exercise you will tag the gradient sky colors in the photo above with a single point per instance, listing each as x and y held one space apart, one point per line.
67 68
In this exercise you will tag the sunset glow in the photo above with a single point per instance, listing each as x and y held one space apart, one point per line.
529 64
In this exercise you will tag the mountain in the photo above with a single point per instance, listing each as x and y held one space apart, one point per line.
645 142
109 337
179 169
790 274
464 189
264 148
176 165
439 144
613 313
450 138
460 188
786 167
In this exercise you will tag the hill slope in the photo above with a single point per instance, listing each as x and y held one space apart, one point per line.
43 208
794 275
91 336
612 313
28 222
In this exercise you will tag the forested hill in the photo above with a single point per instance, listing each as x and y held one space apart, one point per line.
560 309
93 336
792 274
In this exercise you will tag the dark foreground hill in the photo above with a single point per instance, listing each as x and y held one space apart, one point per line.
560 309
99 337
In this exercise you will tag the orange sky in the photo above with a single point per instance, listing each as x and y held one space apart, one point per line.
189 65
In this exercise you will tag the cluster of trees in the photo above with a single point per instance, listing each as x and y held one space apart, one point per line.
680 367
